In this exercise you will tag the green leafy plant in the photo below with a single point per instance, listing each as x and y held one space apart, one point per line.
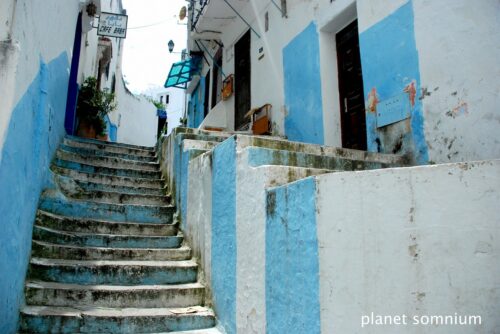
159 105
93 105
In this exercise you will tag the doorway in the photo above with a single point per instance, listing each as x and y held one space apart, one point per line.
242 82
352 101
73 88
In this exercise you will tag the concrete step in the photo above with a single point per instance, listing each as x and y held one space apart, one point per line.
69 252
109 146
113 197
84 225
113 272
102 153
107 161
104 240
152 214
94 186
39 293
110 180
39 319
258 156
93 169
278 144
212 330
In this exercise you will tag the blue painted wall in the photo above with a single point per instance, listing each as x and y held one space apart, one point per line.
292 268
196 110
224 233
303 100
111 129
390 62
35 130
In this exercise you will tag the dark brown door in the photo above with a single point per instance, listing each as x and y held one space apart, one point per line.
242 80
352 105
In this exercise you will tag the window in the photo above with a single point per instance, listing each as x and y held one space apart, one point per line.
167 98
217 78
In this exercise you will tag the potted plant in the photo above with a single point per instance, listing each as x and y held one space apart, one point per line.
92 107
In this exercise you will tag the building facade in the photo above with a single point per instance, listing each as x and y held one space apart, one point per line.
405 77
47 49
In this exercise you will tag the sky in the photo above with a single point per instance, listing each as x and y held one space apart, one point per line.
151 24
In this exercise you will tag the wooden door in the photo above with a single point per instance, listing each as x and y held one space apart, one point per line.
352 105
242 80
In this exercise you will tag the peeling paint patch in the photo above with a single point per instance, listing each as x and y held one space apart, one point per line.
411 91
373 100
462 109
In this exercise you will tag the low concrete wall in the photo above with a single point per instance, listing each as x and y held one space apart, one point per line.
407 242
225 224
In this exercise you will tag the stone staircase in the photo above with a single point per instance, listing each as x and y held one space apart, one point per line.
107 255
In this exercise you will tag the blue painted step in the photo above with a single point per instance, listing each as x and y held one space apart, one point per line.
93 169
86 225
109 146
84 151
107 179
96 320
113 272
104 211
135 190
105 240
114 197
146 296
104 161
70 252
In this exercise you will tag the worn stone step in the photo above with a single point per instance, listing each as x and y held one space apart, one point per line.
258 156
103 161
110 180
103 153
212 330
85 225
153 214
113 197
299 148
93 169
104 240
109 146
69 252
94 186
40 319
148 296
113 272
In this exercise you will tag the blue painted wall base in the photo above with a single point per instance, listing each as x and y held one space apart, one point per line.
35 130
303 99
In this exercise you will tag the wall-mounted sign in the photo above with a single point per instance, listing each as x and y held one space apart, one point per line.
393 110
112 25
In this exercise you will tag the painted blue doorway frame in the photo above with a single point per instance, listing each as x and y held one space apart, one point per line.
73 88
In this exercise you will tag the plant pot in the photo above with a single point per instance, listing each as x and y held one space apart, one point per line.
87 130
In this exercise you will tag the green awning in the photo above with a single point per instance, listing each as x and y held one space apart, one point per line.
182 72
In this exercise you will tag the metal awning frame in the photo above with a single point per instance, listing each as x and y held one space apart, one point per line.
188 68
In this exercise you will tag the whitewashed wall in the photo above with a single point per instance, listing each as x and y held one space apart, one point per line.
415 241
460 71
457 50
137 121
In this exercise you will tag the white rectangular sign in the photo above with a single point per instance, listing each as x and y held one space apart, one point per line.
113 25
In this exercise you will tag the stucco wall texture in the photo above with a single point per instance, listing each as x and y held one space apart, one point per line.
414 242
439 56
